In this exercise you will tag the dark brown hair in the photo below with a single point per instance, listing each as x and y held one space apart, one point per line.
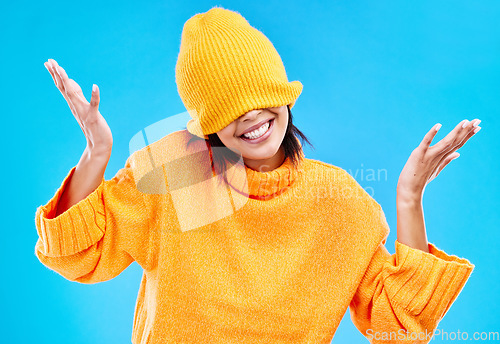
223 155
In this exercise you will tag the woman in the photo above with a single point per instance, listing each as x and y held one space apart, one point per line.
282 249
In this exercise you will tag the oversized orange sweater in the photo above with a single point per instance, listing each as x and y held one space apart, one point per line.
280 266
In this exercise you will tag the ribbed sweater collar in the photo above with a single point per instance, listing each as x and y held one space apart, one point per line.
266 185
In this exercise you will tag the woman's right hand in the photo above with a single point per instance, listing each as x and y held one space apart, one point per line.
93 124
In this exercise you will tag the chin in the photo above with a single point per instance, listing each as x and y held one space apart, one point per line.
261 153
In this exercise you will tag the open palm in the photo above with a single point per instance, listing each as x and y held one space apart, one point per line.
426 162
92 123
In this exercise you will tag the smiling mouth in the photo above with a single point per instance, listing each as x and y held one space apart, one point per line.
259 132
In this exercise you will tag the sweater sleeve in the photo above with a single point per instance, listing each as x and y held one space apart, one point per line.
406 294
98 237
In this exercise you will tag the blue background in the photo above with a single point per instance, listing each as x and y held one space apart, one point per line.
377 76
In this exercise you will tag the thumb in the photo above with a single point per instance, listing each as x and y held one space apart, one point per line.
94 100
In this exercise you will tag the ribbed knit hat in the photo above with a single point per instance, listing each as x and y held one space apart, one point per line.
226 68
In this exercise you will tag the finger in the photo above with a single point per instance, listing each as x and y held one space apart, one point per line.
95 99
430 136
467 131
54 75
62 79
77 92
448 140
61 88
442 156
94 105
54 63
66 84
75 96
75 112
46 64
59 82
442 164
78 119
462 137
469 135
73 90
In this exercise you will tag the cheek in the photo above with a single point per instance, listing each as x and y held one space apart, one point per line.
228 138
283 123
225 134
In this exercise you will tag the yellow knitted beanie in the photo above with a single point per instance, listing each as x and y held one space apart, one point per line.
226 68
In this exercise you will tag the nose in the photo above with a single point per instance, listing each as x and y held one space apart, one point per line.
250 115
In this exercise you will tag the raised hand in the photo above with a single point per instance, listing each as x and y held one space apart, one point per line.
426 162
92 123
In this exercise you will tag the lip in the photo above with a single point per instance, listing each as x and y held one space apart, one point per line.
253 127
263 137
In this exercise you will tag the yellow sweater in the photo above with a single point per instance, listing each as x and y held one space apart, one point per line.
280 266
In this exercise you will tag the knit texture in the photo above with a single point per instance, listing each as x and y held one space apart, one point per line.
280 270
226 68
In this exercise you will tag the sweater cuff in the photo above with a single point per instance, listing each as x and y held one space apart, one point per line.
425 282
78 228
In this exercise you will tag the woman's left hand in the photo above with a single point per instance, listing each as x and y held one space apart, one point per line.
426 162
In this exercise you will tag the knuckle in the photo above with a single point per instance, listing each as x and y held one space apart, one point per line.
415 153
430 155
446 144
448 141
437 159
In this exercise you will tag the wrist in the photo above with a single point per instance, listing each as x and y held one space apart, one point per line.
98 153
408 199
94 162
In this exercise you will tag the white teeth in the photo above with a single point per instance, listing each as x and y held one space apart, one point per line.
257 132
